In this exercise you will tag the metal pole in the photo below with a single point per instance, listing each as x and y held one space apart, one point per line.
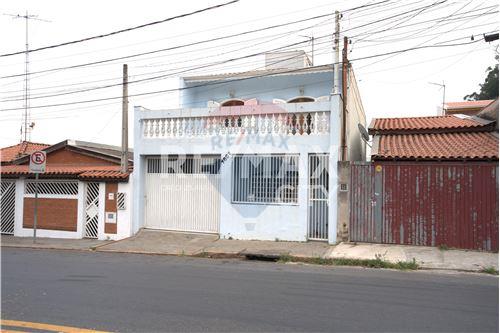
336 58
35 215
444 96
26 80
312 50
124 159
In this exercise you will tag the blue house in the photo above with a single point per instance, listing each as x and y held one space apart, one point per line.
250 155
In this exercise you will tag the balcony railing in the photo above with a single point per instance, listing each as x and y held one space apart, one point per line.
289 124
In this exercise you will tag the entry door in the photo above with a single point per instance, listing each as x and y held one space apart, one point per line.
183 193
318 197
91 210
7 206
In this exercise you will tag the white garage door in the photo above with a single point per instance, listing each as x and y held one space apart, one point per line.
183 193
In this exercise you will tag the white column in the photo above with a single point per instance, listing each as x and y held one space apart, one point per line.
335 123
80 218
138 175
102 211
19 208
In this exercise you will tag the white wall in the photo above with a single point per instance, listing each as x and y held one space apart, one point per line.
246 221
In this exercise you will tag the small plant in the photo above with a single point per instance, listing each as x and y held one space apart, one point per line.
489 270
285 257
443 247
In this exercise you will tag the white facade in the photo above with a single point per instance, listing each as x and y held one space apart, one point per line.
188 132
124 227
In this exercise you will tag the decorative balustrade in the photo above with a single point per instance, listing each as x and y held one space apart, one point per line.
304 123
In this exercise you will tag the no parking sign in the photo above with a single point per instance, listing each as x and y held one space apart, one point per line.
38 161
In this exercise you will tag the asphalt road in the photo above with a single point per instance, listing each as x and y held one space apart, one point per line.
125 292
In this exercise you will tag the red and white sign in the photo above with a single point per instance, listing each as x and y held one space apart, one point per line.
38 160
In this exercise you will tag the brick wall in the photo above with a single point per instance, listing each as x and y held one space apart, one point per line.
110 206
53 214
68 157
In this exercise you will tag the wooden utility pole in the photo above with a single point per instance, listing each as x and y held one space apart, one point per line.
345 68
124 157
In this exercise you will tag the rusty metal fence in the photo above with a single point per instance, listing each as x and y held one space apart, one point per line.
425 203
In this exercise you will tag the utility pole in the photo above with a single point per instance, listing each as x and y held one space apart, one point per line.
336 57
26 127
311 38
124 157
345 68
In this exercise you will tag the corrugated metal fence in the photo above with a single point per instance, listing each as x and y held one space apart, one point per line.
425 203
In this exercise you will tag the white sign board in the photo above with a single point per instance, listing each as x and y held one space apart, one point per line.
38 160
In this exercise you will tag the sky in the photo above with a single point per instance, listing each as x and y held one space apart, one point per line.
394 85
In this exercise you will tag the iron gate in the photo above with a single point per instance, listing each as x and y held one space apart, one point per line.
318 197
91 210
7 206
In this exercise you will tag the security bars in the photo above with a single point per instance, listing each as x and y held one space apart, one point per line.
271 179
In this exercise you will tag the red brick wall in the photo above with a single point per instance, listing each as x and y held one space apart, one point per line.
53 214
110 206
68 157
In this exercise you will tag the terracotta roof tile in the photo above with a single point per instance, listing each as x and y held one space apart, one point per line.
442 146
422 124
468 104
83 172
8 154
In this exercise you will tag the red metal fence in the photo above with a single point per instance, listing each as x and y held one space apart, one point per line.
425 203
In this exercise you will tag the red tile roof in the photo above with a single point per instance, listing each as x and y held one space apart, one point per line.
468 104
437 124
437 146
83 172
8 154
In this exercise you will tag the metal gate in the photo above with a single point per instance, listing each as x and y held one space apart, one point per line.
318 197
7 206
183 193
453 204
91 210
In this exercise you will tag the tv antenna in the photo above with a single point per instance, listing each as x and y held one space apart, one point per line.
27 125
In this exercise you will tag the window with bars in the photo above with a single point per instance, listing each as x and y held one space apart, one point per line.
120 201
65 188
184 164
265 179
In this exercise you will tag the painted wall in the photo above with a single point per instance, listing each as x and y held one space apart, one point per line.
356 147
23 212
241 221
264 89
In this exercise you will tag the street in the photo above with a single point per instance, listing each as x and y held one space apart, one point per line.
127 292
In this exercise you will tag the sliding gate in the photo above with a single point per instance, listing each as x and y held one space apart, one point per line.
318 197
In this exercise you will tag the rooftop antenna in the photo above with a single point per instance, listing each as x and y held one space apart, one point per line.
27 126
311 39
442 85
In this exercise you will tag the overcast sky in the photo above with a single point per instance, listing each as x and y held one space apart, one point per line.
390 86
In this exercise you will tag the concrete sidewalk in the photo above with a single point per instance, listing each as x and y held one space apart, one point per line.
176 243
52 243
426 257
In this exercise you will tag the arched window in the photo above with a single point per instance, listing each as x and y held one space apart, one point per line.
301 99
233 102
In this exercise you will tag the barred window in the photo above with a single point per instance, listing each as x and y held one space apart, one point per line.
184 164
265 179
51 187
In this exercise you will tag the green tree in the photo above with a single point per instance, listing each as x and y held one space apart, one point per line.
489 89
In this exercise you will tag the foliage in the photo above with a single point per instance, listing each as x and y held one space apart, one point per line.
489 270
489 89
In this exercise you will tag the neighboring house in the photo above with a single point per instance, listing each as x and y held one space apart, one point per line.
9 154
250 155
83 193
432 181
470 108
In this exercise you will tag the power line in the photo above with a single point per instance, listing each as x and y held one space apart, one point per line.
120 31
246 78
